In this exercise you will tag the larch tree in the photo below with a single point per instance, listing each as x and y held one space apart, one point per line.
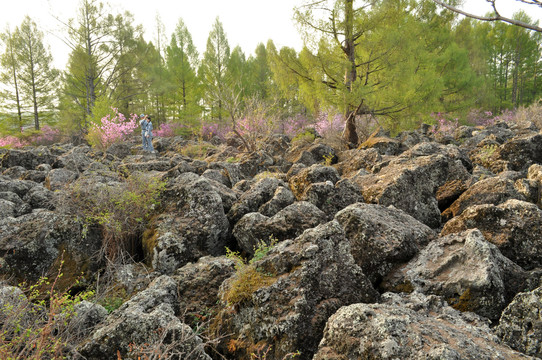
8 77
181 63
38 79
90 59
378 58
213 70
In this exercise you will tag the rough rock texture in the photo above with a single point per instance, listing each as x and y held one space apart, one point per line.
139 322
281 198
350 161
255 163
288 223
19 206
410 185
77 159
120 150
195 225
313 276
382 238
313 174
514 227
522 151
465 269
520 326
32 245
86 316
458 181
258 194
332 198
383 144
494 191
29 159
40 197
409 327
198 285
59 178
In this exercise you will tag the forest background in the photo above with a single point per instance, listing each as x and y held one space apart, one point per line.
393 63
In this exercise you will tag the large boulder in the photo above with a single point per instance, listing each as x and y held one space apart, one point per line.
410 185
314 174
520 326
194 225
258 194
383 144
495 190
198 285
281 199
465 269
309 279
522 151
39 197
29 159
350 161
409 327
382 238
147 321
15 203
37 243
77 159
514 227
57 179
290 222
331 198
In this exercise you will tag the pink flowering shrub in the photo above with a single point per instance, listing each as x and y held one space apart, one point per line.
171 129
213 129
112 129
444 124
46 136
12 142
329 125
255 127
294 125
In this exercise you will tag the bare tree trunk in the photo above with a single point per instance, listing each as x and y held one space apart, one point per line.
350 134
17 98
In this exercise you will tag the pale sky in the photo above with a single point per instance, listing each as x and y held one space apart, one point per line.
246 22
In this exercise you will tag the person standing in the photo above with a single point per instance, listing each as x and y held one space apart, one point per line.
143 124
148 135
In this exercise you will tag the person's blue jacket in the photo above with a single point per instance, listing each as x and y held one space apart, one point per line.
143 124
148 128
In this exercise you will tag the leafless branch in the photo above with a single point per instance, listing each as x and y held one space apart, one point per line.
497 16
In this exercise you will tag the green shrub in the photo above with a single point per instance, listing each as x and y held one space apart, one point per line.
307 136
121 210
37 325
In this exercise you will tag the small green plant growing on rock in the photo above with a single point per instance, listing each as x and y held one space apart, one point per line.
487 151
197 151
328 159
247 278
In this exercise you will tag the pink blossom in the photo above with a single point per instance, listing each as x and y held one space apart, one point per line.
12 142
113 129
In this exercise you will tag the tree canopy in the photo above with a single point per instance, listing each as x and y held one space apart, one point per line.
393 61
